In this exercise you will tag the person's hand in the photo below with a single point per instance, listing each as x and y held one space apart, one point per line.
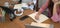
37 16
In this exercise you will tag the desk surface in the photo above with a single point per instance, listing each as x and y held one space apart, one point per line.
20 24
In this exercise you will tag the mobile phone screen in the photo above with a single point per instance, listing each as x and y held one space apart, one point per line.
24 17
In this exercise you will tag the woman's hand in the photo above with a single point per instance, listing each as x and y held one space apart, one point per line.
37 16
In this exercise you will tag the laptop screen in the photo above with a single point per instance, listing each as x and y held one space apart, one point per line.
29 26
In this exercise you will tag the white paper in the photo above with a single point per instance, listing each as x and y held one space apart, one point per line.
42 17
19 6
24 5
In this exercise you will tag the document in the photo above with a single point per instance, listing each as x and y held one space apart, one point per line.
42 17
19 6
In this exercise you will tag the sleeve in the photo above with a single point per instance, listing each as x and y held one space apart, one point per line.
44 6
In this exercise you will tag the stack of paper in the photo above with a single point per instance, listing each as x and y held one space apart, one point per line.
42 17
19 6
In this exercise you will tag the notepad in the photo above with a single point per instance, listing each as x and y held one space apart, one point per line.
42 17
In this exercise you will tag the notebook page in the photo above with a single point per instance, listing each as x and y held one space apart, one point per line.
42 17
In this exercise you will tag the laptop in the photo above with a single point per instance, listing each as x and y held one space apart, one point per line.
29 26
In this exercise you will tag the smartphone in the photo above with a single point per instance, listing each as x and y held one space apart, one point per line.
24 17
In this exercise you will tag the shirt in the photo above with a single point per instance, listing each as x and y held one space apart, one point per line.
56 13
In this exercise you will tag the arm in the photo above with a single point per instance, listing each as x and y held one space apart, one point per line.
56 6
44 6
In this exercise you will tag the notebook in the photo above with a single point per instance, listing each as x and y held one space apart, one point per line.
42 17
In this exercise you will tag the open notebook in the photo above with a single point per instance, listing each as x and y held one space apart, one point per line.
42 17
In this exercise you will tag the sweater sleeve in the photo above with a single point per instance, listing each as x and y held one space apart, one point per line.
44 6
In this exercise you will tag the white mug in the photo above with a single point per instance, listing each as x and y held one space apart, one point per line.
19 10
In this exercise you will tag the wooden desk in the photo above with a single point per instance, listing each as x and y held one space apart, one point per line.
20 24
56 25
16 23
29 20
